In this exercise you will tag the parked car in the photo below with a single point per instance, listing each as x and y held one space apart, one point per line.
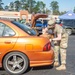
45 23
39 23
69 25
21 48
39 26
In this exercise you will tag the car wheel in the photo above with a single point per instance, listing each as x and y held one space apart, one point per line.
15 63
69 31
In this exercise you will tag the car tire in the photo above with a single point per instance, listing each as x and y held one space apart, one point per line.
15 63
69 31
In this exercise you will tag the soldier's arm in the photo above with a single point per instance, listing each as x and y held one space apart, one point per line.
57 38
44 30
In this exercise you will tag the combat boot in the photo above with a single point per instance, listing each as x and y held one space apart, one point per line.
56 64
61 67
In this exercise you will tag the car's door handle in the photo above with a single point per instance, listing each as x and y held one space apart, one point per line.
8 42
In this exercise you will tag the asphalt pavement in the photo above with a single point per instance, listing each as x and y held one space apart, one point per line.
47 70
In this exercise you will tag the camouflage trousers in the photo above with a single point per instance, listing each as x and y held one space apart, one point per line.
62 52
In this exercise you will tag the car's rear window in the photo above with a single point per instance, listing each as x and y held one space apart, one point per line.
25 28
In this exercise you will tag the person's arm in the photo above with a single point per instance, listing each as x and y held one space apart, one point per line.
57 38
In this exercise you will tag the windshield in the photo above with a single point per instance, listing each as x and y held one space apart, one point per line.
25 28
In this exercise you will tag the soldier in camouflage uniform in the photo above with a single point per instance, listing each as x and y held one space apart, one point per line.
60 43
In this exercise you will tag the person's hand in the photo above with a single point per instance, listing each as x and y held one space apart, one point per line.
44 30
50 40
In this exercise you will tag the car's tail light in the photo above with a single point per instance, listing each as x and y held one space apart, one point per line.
47 47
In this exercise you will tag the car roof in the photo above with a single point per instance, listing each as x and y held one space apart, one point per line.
5 20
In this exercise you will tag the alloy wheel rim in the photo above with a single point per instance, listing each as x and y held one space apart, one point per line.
15 63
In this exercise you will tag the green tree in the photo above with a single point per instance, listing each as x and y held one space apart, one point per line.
36 9
31 4
63 12
23 5
17 5
41 6
1 7
74 10
11 6
48 11
28 5
6 7
54 7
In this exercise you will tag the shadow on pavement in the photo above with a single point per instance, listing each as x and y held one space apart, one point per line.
42 68
72 34
33 68
1 69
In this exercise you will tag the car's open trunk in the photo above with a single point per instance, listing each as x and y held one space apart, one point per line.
37 16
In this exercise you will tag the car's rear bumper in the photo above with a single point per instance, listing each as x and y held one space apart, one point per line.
42 58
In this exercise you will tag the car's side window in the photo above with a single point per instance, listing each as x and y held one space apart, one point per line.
1 29
5 30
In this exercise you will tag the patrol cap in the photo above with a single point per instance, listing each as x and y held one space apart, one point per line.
51 22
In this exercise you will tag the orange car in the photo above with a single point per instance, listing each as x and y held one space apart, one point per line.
20 48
